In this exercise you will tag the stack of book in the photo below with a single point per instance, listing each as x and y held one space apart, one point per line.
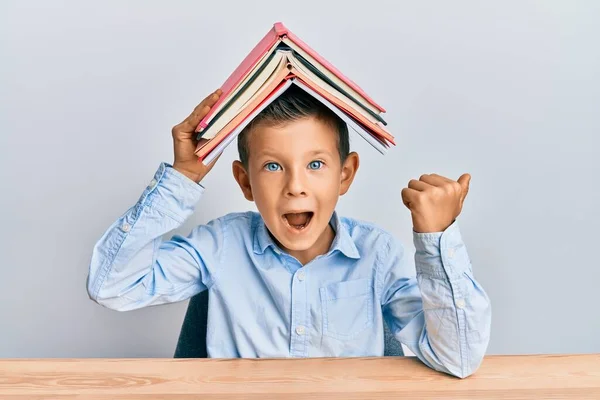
279 60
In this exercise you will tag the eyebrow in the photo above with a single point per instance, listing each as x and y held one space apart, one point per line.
275 153
319 152
268 151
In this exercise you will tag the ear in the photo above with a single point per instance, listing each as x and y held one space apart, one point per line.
349 169
241 176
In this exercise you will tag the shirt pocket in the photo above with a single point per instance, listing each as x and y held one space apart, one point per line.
347 308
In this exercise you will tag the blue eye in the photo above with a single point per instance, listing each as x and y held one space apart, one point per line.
272 166
315 164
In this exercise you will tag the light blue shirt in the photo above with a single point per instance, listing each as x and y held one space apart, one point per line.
263 303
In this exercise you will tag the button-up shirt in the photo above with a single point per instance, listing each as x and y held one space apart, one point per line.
265 303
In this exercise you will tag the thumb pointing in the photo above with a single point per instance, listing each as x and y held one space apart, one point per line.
464 180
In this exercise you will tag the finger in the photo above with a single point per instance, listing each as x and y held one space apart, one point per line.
465 181
191 122
435 180
202 109
442 178
409 196
209 101
418 185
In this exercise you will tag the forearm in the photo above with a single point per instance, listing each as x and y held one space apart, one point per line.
126 259
456 310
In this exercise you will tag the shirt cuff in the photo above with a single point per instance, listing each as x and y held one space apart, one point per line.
173 193
441 255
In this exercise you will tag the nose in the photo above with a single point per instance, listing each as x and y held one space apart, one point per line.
295 184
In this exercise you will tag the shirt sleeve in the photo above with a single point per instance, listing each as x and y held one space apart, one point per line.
442 314
132 266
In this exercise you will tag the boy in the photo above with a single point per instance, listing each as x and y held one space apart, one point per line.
296 279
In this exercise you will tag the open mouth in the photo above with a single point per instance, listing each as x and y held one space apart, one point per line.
298 220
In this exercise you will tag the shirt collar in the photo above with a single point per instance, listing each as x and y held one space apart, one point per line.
342 240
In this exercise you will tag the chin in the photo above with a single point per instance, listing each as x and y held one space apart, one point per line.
298 244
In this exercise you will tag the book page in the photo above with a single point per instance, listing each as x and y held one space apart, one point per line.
330 75
221 146
375 141
252 72
332 91
277 62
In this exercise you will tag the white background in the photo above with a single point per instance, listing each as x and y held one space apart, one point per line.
508 91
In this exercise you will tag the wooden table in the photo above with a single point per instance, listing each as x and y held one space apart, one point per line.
500 377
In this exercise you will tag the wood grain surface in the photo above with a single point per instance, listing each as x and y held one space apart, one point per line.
500 377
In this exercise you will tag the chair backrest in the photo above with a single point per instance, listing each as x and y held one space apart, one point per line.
192 337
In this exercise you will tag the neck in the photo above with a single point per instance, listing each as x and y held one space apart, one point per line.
321 246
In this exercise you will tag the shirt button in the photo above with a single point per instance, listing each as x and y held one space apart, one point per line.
450 253
301 275
152 184
300 330
460 303
126 227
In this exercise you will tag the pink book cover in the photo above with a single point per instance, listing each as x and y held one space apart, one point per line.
276 33
330 67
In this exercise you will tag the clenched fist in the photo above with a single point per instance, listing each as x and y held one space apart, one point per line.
435 201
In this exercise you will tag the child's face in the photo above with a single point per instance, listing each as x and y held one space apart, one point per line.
295 177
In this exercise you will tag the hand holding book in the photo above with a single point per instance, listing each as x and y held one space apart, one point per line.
184 141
